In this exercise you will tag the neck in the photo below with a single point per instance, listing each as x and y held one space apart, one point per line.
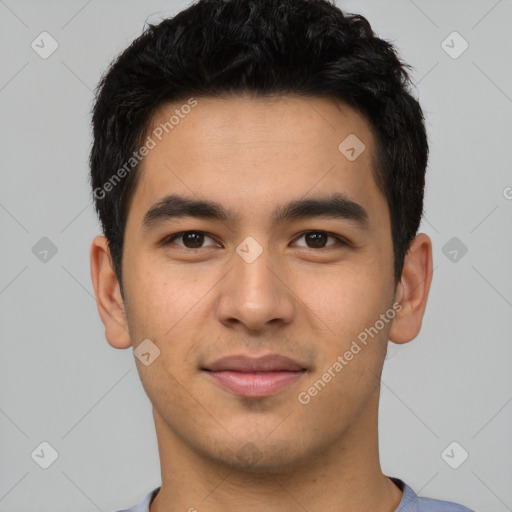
345 477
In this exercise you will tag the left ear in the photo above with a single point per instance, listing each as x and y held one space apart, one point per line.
412 290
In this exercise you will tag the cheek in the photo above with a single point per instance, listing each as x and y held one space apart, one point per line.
170 306
346 301
161 300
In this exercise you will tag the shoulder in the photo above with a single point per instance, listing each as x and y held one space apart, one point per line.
143 505
413 503
431 505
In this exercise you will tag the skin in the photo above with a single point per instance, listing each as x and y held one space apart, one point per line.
220 452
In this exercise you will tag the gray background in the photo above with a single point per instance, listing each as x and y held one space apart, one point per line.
60 381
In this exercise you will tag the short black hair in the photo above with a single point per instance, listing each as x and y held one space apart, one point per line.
214 48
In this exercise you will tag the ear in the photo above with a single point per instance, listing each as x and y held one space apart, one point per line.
110 303
412 290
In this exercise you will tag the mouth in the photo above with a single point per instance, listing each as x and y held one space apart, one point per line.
255 377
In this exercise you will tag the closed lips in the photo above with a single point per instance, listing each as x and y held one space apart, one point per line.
255 377
269 363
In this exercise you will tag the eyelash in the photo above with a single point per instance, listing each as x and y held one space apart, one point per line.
341 241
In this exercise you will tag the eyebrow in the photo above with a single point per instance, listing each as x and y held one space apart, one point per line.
175 206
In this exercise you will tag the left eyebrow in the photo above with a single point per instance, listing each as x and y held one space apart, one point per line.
336 206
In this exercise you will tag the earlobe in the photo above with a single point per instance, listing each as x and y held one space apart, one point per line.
412 290
110 304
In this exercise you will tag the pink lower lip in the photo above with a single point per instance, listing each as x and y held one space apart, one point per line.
256 384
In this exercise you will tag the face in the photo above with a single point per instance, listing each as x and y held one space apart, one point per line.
282 293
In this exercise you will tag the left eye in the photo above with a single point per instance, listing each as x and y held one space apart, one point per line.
318 239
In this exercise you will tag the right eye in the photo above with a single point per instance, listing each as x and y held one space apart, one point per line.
190 239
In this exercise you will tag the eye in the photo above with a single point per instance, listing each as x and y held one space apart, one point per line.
318 239
190 239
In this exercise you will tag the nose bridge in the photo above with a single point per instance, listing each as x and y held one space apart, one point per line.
253 273
253 294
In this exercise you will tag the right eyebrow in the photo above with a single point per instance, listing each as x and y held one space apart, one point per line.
176 206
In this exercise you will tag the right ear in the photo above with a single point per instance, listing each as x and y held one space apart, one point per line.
110 303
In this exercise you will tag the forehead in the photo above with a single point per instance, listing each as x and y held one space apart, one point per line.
221 123
250 152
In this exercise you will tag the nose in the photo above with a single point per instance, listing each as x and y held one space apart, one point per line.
255 294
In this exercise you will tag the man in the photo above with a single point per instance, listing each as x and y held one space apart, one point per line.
258 167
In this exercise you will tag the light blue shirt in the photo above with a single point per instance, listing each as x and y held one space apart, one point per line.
410 502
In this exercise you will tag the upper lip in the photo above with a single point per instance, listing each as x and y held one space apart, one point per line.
242 363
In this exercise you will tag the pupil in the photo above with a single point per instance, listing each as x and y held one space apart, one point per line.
317 239
193 239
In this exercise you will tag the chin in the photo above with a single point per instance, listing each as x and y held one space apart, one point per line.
262 458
